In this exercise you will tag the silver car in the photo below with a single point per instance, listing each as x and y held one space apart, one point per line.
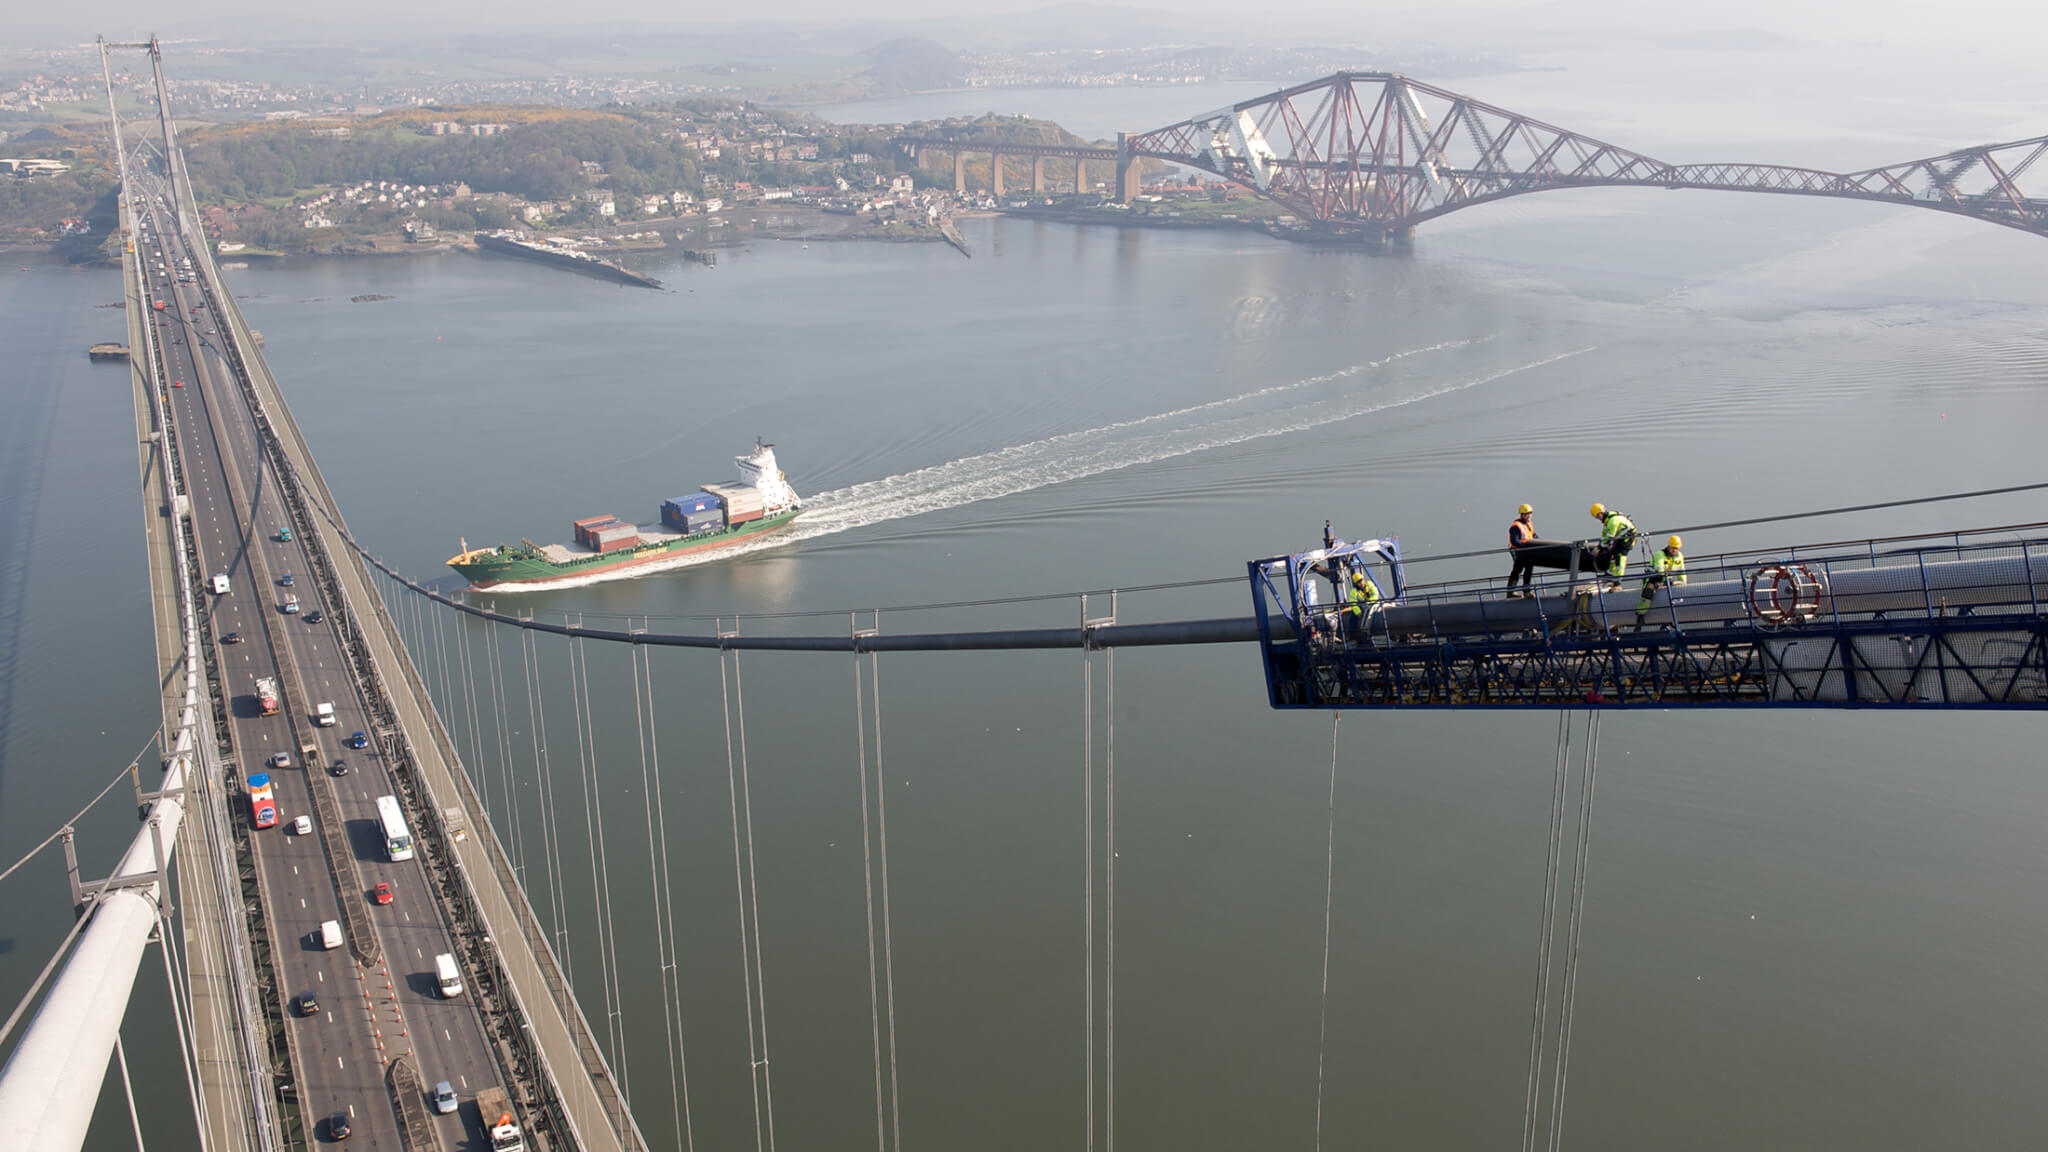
444 1098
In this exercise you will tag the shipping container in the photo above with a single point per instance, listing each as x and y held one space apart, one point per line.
695 521
620 544
737 518
706 528
606 533
589 520
694 502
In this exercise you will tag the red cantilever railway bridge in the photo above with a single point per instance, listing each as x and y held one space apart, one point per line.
1376 153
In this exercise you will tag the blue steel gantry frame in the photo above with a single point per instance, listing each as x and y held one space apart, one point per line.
1949 621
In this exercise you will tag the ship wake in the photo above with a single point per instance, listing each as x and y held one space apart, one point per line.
1274 410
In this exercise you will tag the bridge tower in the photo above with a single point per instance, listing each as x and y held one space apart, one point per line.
1126 169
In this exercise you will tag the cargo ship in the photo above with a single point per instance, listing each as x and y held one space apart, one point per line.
516 244
608 548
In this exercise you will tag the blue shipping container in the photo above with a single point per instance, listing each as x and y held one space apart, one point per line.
697 520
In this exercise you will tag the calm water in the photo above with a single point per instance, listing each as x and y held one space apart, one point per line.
1802 929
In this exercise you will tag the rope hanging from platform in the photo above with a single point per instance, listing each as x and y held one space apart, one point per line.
1329 894
1088 874
740 791
1108 924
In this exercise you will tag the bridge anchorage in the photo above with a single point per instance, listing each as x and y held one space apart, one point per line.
1950 621
1370 155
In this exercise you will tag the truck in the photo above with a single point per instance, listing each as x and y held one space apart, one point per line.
447 976
330 934
494 1108
262 801
220 584
324 715
266 695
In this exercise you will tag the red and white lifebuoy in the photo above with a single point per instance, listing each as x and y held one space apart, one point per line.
1784 594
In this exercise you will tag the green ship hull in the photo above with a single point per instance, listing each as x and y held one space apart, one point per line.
529 564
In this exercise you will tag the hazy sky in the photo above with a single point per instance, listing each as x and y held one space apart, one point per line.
1997 26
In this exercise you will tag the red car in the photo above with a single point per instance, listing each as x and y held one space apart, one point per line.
381 893
177 383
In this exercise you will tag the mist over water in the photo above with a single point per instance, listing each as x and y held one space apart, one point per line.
1802 929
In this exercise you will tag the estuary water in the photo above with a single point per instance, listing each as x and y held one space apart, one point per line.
1802 929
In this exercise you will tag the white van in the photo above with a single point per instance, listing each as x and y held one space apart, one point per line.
330 934
448 975
220 584
324 716
290 605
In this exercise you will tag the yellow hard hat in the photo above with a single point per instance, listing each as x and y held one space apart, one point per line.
1598 510
1358 577
1524 510
1674 544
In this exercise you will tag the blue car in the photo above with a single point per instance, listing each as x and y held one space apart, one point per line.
287 581
357 740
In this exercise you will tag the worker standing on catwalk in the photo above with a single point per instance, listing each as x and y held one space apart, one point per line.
1521 535
1667 566
1617 537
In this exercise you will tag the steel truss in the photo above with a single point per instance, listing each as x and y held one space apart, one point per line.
1378 153
1957 623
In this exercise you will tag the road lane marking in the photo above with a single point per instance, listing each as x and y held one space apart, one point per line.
339 1064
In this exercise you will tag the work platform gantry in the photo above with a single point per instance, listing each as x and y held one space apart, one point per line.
1948 621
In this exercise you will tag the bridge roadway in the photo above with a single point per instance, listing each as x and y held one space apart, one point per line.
341 1066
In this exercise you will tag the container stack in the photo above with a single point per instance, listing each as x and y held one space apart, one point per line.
614 536
584 526
675 513
699 523
742 502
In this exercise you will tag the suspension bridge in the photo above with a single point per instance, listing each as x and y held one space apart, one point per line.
283 1040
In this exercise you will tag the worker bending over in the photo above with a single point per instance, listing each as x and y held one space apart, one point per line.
1617 537
1667 566
1521 536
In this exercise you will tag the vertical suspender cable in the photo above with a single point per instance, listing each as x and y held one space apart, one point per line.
1109 901
1088 873
672 987
550 836
1578 919
441 663
494 651
128 1088
1329 892
1539 1012
888 945
739 697
609 951
578 688
642 717
188 1040
868 883
476 739
740 888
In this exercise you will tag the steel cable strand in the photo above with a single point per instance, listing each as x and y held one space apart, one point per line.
672 977
476 739
608 949
550 854
495 649
1578 916
888 942
128 1089
1540 1011
641 718
447 692
1329 894
1109 901
1088 877
732 789
181 1015
868 885
739 697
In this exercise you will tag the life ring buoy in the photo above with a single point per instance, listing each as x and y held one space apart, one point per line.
1781 594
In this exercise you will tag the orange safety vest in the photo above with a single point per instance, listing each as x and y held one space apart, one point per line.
1519 533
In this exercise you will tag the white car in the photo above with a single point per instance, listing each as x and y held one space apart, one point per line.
445 1100
281 760
303 826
